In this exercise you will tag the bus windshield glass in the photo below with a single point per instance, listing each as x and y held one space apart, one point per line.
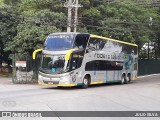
53 64
59 42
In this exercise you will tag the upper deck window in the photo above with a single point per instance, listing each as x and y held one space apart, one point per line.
59 42
81 41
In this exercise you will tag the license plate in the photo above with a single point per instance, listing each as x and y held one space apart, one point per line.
50 83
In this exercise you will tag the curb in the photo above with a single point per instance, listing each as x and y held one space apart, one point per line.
148 75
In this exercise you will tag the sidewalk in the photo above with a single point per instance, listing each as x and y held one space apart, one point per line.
5 80
6 84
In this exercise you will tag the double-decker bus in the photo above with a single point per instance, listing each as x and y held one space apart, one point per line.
82 59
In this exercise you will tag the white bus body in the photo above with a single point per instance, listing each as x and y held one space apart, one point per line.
80 59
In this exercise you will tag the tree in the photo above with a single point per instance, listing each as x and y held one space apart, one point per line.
8 24
29 38
125 20
30 21
35 24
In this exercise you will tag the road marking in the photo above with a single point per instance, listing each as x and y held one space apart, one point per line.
148 75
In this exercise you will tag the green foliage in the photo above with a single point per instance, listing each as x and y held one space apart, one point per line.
8 23
46 17
29 38
11 2
122 21
24 24
53 5
32 27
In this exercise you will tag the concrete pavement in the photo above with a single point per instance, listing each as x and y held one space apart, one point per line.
141 95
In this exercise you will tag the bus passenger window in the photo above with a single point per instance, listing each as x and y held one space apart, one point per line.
96 65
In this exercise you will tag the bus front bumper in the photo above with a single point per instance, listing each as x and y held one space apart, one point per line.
60 81
60 85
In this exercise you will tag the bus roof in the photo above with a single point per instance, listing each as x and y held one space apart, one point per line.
96 36
93 36
62 33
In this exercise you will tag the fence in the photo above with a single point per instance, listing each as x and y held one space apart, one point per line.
147 67
24 69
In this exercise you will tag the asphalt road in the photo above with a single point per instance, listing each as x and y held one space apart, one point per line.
140 95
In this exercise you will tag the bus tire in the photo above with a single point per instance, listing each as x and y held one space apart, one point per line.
123 79
86 81
128 79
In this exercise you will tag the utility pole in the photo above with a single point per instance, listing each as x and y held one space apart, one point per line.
75 17
77 5
70 4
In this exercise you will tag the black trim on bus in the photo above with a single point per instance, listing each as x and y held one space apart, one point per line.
103 65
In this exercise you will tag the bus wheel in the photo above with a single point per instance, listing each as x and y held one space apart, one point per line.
128 79
123 79
85 82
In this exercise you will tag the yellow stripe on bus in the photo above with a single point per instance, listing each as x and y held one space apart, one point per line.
96 36
68 55
35 52
100 82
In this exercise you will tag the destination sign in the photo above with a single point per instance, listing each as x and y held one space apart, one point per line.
110 56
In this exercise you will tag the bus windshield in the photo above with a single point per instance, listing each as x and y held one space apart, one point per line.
53 64
59 42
